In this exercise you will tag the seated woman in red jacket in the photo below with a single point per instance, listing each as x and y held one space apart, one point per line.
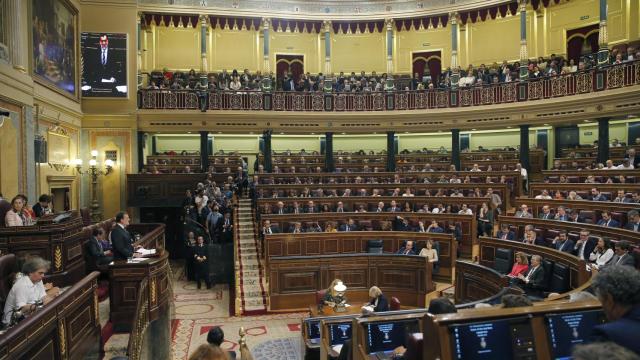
520 265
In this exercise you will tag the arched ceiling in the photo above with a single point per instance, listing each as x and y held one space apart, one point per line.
318 9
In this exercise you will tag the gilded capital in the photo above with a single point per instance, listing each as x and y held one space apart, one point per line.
266 23
523 5
453 18
326 25
389 24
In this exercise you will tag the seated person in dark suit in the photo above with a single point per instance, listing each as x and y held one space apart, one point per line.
43 206
268 229
407 249
533 282
297 228
634 221
531 236
226 234
597 195
441 305
95 250
401 224
434 227
623 255
505 234
607 221
349 226
574 216
121 239
215 337
584 246
563 243
618 289
377 300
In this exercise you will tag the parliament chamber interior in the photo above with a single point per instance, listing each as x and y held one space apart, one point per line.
324 179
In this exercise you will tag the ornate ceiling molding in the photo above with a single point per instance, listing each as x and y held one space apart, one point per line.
317 10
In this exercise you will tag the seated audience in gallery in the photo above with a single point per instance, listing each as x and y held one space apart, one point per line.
43 206
618 289
28 291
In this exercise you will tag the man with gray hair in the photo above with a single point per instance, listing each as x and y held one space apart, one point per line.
533 282
618 289
602 351
634 221
29 291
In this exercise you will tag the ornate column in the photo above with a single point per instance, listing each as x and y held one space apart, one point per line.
524 146
141 143
524 55
391 151
327 47
389 27
139 40
16 31
203 44
266 136
603 140
603 52
266 24
204 151
455 148
455 72
329 164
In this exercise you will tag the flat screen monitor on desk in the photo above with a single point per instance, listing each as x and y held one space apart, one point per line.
340 332
384 336
313 330
495 339
569 329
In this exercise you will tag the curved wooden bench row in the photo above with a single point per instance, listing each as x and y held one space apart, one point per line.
579 176
267 191
57 238
467 223
66 328
584 207
314 244
583 190
571 228
370 203
294 280
512 178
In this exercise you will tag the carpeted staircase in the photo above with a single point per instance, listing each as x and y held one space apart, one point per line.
251 288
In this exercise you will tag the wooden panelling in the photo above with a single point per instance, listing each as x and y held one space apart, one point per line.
298 278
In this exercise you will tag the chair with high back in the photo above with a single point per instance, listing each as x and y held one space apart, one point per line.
394 304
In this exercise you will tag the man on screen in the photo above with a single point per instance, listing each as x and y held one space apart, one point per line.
103 69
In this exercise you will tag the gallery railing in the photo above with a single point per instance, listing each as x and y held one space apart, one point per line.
593 80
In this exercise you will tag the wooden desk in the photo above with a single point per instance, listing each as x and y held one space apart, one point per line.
354 309
61 243
124 286
294 280
66 328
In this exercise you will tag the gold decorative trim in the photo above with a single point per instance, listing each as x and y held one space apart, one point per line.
57 258
152 291
63 339
96 305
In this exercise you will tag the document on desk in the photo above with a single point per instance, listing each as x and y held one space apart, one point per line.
144 251
337 348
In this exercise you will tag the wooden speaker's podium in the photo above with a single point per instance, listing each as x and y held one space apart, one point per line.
140 295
